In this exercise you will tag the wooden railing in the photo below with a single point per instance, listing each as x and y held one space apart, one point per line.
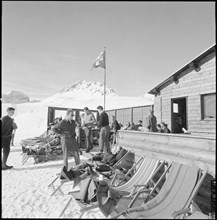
183 148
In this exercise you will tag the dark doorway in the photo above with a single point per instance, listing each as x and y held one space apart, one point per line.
179 115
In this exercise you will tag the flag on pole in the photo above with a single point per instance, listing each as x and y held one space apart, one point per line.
100 61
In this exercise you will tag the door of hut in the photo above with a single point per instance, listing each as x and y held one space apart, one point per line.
179 115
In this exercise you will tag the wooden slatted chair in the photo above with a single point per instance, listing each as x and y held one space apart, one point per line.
146 171
126 163
174 198
121 161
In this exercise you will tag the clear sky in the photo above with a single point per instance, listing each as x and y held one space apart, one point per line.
50 45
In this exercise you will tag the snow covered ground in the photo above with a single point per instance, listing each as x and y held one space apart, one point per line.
25 193
24 188
31 118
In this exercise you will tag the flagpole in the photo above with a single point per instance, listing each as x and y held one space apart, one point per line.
104 77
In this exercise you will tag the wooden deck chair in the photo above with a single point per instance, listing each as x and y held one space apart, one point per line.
122 161
64 181
67 180
147 169
140 181
58 188
174 198
126 162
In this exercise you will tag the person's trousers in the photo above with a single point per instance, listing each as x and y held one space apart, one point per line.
12 139
70 145
88 134
6 141
104 138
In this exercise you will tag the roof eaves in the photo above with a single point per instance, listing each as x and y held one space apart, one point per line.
193 64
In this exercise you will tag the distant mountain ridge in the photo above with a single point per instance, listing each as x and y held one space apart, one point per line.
15 97
90 87
83 93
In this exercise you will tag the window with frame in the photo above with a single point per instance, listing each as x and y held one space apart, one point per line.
208 106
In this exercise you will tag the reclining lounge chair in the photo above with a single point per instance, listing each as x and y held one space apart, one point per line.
146 171
174 198
123 161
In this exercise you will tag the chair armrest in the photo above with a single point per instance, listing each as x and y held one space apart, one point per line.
139 185
136 196
180 212
113 179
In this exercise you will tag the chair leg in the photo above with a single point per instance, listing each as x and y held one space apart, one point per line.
25 160
51 184
64 209
83 210
58 188
80 216
195 206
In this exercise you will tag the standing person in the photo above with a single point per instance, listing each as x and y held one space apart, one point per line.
7 129
13 132
82 119
66 128
115 127
104 129
88 123
152 121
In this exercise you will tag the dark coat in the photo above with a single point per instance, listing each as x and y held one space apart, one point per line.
151 123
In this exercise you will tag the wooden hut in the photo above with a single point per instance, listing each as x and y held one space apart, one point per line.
187 98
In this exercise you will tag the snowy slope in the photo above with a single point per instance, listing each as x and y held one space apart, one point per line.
31 118
83 93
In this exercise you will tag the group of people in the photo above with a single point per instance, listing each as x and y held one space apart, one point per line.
8 132
162 128
151 125
67 129
132 126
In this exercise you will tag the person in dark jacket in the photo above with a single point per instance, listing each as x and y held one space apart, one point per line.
115 125
66 128
104 129
152 121
7 129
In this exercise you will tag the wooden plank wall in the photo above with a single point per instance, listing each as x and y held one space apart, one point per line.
192 86
187 149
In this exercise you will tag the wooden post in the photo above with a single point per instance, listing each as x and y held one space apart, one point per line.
131 112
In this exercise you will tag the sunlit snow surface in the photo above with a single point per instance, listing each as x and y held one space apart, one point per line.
24 188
